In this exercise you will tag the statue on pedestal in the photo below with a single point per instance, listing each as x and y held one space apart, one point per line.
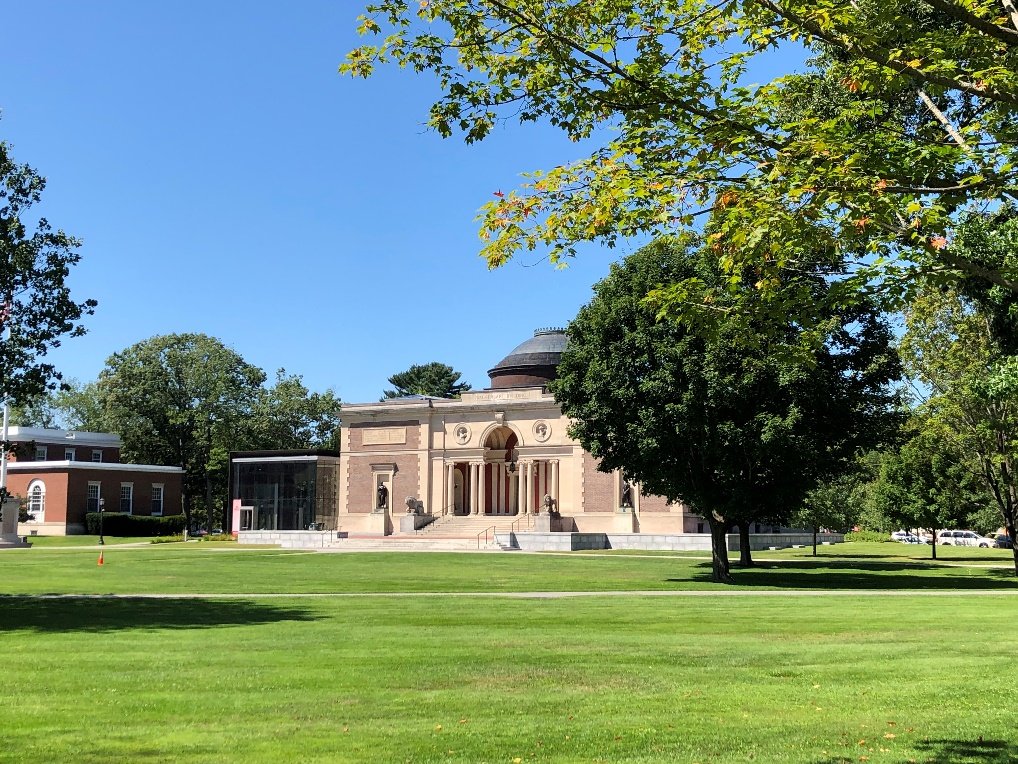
383 497
627 495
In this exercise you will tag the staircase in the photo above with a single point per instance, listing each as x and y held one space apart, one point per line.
449 533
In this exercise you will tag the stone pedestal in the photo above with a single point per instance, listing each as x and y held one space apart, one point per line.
624 520
546 523
9 524
411 523
380 523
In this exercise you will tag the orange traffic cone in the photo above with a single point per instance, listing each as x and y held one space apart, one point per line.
100 557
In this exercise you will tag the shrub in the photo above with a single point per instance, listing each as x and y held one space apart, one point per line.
167 540
867 536
120 524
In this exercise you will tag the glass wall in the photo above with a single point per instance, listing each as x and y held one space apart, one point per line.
288 494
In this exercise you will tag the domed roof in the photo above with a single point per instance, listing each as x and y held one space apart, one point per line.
533 363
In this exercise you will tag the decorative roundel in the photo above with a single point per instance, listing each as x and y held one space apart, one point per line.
542 431
461 433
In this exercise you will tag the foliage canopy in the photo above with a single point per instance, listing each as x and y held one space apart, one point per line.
740 431
907 112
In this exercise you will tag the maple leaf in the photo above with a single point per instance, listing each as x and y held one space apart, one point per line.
938 242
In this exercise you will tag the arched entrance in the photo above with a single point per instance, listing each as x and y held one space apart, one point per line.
501 483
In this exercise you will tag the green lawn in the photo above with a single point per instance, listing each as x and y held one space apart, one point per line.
195 568
806 678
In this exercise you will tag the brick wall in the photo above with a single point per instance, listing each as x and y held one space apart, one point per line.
654 504
55 453
598 487
360 496
56 492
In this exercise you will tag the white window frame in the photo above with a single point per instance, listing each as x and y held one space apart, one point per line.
68 454
97 455
130 498
37 515
162 499
98 495
41 452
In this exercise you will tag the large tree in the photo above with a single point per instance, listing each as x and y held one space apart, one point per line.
927 484
35 300
183 400
969 384
289 416
436 379
907 110
738 427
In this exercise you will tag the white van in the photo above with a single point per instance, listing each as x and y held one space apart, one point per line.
963 538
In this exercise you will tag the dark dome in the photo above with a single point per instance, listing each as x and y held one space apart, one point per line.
534 363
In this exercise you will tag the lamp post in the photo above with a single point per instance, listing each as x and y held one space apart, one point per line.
102 510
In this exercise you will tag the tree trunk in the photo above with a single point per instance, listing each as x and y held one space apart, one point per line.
814 541
721 573
933 541
1011 534
745 553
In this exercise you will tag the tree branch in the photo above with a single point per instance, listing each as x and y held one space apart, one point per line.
955 11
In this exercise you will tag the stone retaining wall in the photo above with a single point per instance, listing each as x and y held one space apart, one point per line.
289 539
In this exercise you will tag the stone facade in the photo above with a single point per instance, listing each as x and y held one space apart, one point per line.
494 453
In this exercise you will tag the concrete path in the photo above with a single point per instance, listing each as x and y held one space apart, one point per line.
544 595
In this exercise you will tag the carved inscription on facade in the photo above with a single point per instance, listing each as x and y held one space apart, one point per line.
383 436
506 396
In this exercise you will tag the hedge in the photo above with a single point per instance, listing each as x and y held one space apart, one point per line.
121 524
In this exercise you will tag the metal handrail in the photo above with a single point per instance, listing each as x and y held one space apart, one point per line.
528 517
485 533
424 529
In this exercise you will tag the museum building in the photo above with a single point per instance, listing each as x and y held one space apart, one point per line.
500 453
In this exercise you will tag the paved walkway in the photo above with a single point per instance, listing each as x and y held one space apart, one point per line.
545 595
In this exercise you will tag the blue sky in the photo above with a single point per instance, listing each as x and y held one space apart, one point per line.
226 180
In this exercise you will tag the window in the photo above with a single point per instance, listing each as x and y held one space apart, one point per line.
40 453
97 455
126 497
157 499
69 454
93 497
36 501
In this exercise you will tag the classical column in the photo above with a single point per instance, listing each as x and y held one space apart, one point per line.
528 499
475 490
554 481
450 490
514 492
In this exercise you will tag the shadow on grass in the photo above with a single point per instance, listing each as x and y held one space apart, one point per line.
949 752
808 574
97 615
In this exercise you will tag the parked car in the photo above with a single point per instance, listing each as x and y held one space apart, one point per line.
217 531
200 532
963 538
912 539
1001 541
899 535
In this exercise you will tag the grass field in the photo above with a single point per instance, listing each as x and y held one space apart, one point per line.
922 676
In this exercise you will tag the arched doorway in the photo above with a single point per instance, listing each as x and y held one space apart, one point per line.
501 483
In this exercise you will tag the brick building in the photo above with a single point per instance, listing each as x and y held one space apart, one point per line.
494 453
64 474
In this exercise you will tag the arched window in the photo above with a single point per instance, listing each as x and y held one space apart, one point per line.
37 501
